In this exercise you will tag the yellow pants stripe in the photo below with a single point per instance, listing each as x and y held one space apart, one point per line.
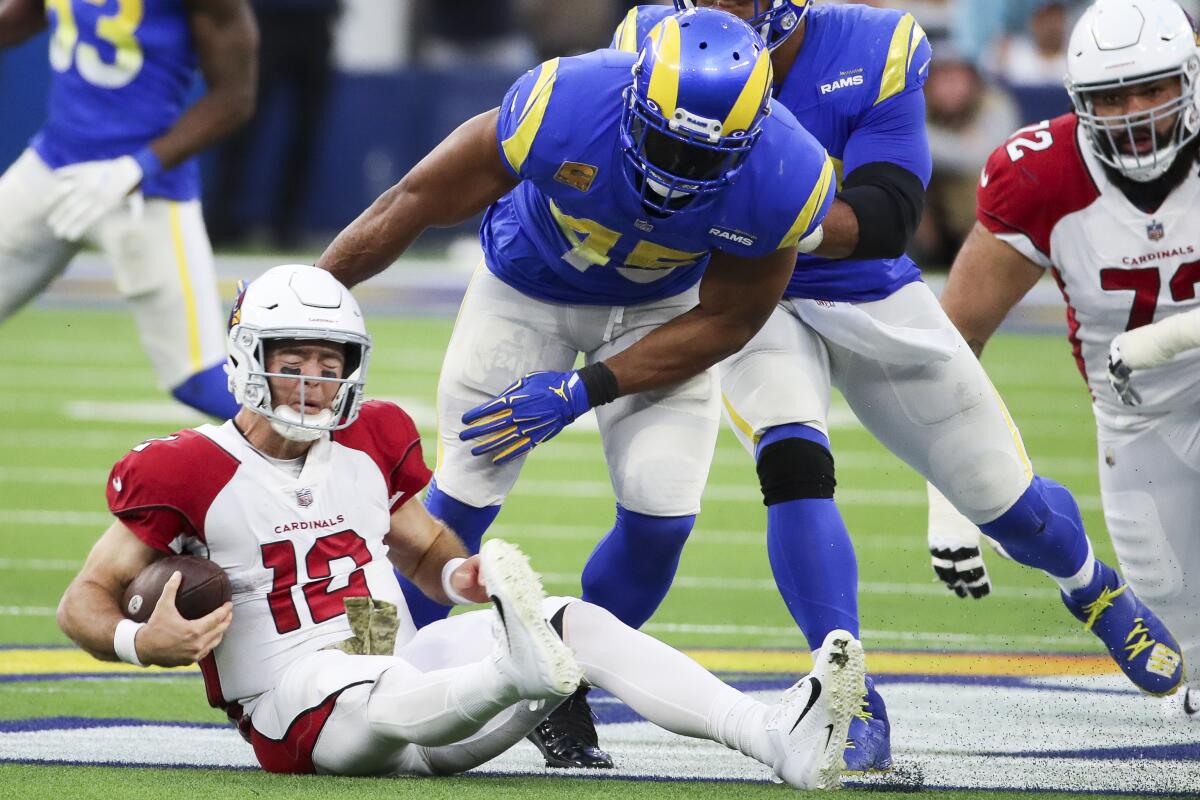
185 284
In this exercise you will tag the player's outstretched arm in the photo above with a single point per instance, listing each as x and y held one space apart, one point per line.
737 295
987 279
460 178
91 607
432 556
225 36
20 19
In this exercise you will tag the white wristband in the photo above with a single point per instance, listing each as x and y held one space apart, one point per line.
454 596
123 641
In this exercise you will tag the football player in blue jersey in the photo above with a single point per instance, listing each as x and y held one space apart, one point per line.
857 316
113 167
643 209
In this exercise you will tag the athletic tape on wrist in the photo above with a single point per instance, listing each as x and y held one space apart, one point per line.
448 570
124 641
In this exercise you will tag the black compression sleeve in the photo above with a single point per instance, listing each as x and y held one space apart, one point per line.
888 201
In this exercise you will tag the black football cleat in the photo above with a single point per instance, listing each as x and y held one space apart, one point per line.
567 738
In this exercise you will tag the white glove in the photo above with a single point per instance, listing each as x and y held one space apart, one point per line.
1120 376
954 549
88 191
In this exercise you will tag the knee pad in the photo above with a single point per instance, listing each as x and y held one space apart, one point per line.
795 469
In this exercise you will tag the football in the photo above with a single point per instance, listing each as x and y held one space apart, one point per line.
204 587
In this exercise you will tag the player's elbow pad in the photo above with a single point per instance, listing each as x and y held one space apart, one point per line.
888 201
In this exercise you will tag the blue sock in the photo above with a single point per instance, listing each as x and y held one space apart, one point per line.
811 554
1043 529
208 392
632 567
469 523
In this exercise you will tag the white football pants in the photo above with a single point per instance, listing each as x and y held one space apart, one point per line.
658 444
433 709
909 378
162 263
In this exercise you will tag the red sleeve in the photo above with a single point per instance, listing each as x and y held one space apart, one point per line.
164 487
1032 181
389 436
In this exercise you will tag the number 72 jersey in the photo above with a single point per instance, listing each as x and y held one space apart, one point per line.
1118 267
122 74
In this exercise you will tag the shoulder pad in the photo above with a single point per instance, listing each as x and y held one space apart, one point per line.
389 436
164 487
1034 180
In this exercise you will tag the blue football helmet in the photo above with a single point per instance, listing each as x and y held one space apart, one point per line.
774 22
701 90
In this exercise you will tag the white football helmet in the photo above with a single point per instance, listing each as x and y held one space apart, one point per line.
1121 43
293 302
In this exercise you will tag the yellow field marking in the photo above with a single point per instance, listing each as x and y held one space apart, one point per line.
882 662
45 661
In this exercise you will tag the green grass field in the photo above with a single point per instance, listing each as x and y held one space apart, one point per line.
80 393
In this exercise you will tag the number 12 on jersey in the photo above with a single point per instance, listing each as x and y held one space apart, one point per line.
323 604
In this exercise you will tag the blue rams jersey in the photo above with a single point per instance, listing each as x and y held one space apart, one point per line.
574 230
856 86
122 73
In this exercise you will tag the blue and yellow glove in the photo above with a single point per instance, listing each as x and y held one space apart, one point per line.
527 413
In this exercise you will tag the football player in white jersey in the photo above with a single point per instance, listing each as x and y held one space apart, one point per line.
1107 198
305 500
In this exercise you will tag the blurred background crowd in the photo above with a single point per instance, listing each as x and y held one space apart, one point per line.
353 92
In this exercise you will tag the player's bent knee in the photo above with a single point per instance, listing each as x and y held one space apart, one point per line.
795 469
984 487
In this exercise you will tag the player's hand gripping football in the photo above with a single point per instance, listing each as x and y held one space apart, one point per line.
169 640
88 191
1120 376
527 413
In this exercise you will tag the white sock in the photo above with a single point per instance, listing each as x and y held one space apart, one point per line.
439 707
664 685
1081 579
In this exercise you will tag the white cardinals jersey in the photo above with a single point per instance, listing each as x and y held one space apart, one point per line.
294 547
1119 268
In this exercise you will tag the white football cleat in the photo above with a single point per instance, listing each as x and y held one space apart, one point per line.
809 723
528 651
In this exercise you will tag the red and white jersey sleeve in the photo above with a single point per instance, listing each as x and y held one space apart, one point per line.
1045 194
162 489
389 436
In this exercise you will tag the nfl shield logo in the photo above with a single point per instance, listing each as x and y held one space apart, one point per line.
304 497
1155 230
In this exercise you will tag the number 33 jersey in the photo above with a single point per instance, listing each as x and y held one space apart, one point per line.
574 230
122 71
294 548
1118 267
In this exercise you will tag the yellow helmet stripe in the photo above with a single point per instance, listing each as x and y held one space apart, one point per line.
625 39
816 199
516 147
741 117
895 70
664 78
